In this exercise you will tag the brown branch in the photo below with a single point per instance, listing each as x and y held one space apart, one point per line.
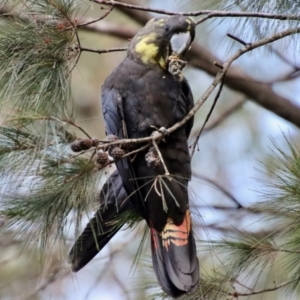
233 14
101 51
221 207
167 173
219 77
136 151
237 39
237 294
108 263
195 144
285 59
137 7
286 77
90 22
260 92
236 79
53 277
110 28
209 13
226 65
220 188
64 121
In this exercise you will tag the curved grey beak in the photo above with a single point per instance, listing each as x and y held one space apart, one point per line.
180 42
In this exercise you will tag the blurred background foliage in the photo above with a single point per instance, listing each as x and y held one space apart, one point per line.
250 157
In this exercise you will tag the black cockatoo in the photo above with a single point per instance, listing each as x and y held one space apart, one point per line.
141 95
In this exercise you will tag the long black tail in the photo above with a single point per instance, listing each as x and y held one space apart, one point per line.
175 259
173 250
102 227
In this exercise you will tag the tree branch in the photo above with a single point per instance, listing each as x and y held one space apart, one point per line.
57 274
237 294
101 51
209 13
219 77
195 144
260 92
90 22
110 28
228 112
199 57
221 189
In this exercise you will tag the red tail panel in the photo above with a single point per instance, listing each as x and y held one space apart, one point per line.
174 258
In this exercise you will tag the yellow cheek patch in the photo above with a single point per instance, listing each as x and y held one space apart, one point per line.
148 51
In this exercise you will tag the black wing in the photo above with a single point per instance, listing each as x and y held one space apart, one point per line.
113 116
113 197
112 108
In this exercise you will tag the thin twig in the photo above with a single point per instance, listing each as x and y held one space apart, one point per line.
237 294
226 65
110 28
200 58
112 254
224 208
74 125
286 77
220 188
56 274
73 26
218 65
218 78
237 39
259 92
54 119
102 50
136 151
285 59
160 157
238 282
209 13
95 20
208 116
228 112
124 156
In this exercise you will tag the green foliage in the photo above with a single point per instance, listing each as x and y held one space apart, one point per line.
247 259
274 7
55 181
283 192
256 263
262 27
251 29
43 181
36 54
